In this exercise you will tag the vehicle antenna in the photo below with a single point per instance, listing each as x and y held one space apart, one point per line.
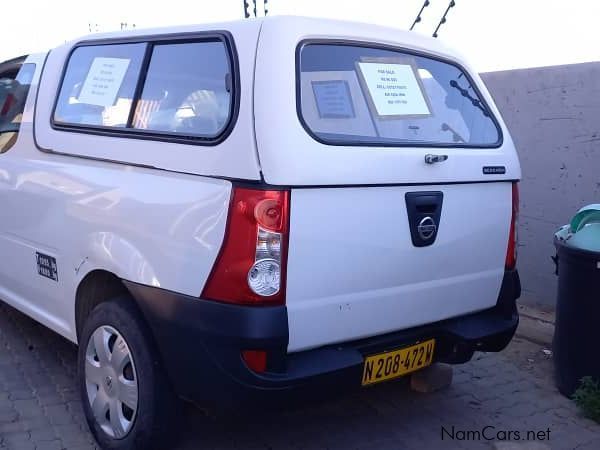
418 18
452 4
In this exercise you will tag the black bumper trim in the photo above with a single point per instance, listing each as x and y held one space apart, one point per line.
200 341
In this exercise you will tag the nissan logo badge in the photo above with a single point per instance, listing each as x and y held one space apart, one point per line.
426 228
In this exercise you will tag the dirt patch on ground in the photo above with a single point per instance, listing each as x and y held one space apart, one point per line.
531 357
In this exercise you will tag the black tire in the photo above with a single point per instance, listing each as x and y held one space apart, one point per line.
153 424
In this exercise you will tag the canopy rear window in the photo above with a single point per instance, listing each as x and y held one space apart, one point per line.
358 95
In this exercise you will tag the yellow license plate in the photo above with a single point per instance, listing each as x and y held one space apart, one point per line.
388 365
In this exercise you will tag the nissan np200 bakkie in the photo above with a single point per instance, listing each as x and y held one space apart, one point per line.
232 212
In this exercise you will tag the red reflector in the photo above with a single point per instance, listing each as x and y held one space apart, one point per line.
511 252
256 360
268 213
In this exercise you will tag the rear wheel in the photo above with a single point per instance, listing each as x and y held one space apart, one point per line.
127 400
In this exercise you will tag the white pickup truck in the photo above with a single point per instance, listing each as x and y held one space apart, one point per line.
234 212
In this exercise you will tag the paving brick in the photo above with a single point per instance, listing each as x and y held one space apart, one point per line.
49 399
520 446
21 394
9 415
591 445
14 438
25 445
50 445
58 414
11 427
73 437
27 408
15 384
43 434
85 447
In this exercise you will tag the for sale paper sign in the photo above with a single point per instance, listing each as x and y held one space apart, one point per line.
103 81
394 90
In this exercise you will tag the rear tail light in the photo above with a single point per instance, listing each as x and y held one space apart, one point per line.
511 252
251 266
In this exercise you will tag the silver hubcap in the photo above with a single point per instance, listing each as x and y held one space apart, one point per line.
111 381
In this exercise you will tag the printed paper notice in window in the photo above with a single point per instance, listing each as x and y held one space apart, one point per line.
394 89
333 99
103 81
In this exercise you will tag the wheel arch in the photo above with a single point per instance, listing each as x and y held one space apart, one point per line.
96 287
99 286
106 260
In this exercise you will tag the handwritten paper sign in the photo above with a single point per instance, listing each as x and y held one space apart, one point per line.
333 99
103 81
394 89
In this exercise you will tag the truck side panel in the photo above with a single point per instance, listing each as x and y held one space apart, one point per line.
148 226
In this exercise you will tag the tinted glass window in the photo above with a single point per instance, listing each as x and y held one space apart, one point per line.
186 90
13 95
362 95
99 85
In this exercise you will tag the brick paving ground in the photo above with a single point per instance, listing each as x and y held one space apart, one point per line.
40 409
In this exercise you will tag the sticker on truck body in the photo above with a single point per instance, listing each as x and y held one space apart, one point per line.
46 266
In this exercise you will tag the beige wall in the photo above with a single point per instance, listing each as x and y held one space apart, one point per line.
553 114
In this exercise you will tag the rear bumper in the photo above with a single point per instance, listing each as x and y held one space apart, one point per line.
200 344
